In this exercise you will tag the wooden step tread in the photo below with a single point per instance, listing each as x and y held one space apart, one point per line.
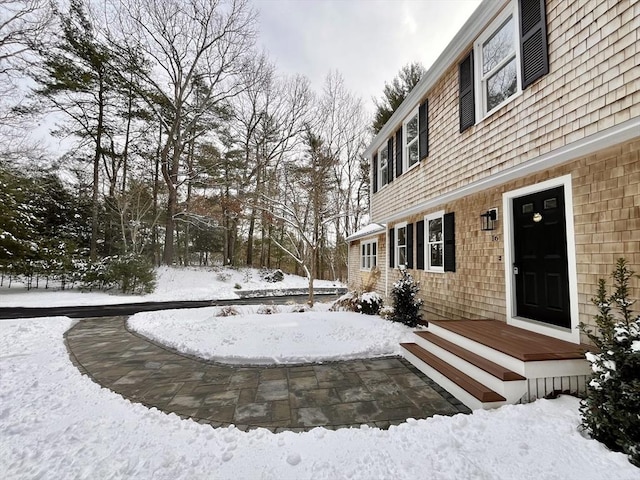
488 366
464 381
516 342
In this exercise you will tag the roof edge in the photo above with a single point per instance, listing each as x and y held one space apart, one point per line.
367 231
474 26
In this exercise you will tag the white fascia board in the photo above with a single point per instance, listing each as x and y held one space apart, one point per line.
474 26
610 137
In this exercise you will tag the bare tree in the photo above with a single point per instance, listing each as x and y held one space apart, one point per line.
22 23
309 182
343 128
195 50
134 208
269 119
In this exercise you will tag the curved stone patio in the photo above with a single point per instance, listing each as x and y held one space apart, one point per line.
377 392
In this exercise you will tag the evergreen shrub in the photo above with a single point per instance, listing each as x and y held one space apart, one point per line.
131 273
406 305
370 303
610 411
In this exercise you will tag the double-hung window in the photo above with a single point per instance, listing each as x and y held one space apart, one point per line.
511 54
401 245
498 62
368 255
434 244
383 168
411 143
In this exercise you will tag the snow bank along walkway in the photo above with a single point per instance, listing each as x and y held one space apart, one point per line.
378 392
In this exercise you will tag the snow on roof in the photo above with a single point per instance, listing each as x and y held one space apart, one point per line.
366 231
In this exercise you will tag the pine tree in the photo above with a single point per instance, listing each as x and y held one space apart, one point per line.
77 79
610 411
395 92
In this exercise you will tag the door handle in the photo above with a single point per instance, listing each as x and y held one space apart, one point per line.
515 270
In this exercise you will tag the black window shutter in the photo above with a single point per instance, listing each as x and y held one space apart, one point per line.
449 242
533 41
410 245
391 248
423 121
466 100
420 245
399 152
375 172
390 160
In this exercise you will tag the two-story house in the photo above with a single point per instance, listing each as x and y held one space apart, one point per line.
507 184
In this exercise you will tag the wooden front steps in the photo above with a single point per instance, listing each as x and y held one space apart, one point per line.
488 366
486 363
476 389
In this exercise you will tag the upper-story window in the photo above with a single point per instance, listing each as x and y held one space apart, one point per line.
498 63
383 168
411 144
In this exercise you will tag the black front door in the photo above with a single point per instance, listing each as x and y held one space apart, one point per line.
540 262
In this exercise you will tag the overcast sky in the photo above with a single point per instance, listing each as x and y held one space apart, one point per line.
367 41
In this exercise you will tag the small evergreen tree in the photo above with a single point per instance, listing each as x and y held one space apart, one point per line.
610 411
406 306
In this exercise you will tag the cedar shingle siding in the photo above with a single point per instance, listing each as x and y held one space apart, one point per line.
580 80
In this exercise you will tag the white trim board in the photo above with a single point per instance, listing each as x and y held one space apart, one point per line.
570 335
610 137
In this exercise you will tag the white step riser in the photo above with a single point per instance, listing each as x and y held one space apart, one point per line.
512 390
557 368
495 356
461 394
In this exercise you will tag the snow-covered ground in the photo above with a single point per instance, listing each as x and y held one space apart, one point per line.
189 283
57 424
254 338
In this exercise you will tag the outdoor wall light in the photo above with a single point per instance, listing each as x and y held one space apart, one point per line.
488 219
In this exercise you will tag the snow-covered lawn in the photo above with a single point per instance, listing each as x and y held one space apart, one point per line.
254 338
189 283
57 424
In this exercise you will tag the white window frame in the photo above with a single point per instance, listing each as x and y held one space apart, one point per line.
382 150
368 259
427 244
405 145
480 79
397 245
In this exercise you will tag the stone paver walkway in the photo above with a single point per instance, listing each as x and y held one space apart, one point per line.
378 392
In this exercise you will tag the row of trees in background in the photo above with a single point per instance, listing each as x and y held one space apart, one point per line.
184 144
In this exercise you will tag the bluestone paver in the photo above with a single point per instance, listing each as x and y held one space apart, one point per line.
378 392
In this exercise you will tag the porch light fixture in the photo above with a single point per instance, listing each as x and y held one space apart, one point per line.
488 220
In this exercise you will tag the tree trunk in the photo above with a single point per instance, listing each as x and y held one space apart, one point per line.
170 174
311 275
93 250
169 226
156 187
252 219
